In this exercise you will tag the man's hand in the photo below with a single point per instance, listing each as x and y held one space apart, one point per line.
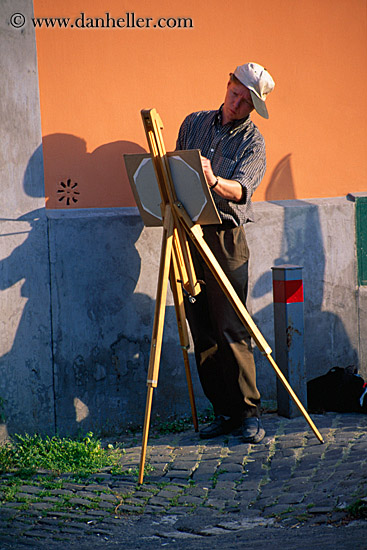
228 189
208 171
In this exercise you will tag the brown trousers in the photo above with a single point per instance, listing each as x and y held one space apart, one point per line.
223 349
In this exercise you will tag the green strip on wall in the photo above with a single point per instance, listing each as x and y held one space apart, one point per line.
361 238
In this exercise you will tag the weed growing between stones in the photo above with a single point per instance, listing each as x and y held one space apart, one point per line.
29 453
358 509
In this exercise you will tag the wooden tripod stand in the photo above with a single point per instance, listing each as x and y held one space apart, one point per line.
176 265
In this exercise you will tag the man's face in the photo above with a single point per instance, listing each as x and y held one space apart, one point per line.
237 103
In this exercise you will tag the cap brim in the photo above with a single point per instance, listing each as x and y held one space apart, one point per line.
259 105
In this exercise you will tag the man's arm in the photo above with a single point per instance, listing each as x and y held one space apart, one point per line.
245 178
227 189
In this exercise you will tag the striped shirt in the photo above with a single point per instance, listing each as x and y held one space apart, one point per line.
236 151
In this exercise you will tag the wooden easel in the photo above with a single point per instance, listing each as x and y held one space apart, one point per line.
176 265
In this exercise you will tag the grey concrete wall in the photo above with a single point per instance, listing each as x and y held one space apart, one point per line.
104 267
26 378
319 235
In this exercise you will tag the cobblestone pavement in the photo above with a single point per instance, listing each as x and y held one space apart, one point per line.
198 493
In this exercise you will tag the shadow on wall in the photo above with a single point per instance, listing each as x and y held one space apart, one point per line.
302 243
25 364
281 186
87 369
75 178
101 323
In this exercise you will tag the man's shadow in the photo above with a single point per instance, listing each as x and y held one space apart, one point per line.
302 244
76 178
91 324
26 378
40 385
100 379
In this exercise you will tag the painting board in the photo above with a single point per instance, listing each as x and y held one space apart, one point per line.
188 180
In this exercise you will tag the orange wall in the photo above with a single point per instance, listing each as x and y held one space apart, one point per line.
94 82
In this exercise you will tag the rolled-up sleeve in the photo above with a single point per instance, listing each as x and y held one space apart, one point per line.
250 170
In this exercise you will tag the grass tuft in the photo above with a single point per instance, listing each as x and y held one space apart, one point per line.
29 453
358 509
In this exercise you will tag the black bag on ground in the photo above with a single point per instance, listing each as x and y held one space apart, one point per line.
339 390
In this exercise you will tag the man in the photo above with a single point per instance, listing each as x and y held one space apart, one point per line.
233 159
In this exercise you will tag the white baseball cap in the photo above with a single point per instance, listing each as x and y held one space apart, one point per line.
259 82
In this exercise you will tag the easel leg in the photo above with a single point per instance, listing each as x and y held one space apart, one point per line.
191 390
148 409
158 324
289 389
182 329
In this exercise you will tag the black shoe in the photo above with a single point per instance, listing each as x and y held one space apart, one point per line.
252 430
219 426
